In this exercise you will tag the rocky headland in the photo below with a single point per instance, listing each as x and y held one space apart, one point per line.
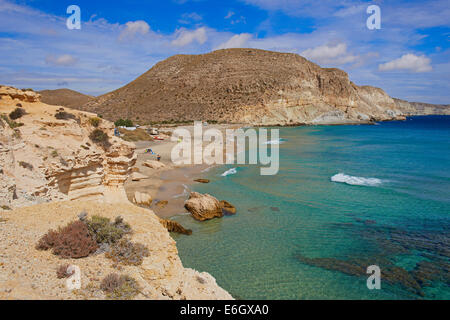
251 86
56 163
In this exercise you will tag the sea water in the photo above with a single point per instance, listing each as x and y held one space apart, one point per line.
345 197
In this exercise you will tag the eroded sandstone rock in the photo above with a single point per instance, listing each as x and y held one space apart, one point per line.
173 226
203 206
142 199
154 164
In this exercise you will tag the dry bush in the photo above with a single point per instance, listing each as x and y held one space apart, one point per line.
73 241
17 114
62 115
95 121
128 253
99 137
119 287
26 165
62 271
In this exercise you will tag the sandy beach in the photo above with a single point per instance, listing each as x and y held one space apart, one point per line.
171 183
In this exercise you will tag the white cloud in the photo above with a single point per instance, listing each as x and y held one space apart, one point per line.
185 37
330 54
408 62
229 15
236 41
66 60
188 18
134 27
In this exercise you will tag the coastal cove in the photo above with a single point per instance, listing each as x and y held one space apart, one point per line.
346 197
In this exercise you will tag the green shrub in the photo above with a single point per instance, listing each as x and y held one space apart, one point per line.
128 253
106 232
54 153
17 114
124 123
119 287
95 121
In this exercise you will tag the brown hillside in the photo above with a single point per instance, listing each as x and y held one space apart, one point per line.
64 97
247 85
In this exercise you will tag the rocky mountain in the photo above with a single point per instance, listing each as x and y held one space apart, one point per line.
250 86
64 97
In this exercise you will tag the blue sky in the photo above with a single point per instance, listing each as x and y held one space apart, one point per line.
119 40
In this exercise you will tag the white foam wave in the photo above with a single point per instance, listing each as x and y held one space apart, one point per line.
228 172
356 181
185 193
279 141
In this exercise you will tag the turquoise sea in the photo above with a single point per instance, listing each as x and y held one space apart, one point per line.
300 235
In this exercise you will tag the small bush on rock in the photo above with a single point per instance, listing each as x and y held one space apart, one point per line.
128 253
62 115
62 271
100 137
95 121
119 287
17 113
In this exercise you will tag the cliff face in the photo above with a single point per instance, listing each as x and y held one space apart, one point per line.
43 158
251 86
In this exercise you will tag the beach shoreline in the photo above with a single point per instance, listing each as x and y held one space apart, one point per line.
172 183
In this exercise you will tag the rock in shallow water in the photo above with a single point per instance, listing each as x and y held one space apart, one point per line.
203 206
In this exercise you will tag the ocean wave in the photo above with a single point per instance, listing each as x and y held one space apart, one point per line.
185 193
228 172
279 141
356 181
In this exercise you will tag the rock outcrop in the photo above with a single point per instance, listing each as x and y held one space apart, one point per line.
152 164
203 206
45 158
173 226
251 86
143 199
227 208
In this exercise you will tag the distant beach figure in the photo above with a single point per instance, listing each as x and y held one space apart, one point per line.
149 151
158 157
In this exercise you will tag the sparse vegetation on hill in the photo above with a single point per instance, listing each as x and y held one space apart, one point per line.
11 123
64 97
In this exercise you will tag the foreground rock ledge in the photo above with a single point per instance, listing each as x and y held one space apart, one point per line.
26 273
